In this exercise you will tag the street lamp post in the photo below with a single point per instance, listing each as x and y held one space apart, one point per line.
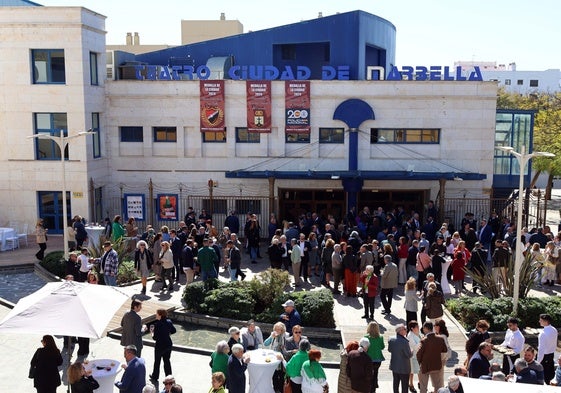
62 142
523 160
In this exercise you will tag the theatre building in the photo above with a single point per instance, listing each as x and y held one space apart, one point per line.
311 116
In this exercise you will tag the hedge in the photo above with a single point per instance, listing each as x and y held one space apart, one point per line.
468 310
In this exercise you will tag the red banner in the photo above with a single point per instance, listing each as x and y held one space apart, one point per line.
297 106
212 105
258 106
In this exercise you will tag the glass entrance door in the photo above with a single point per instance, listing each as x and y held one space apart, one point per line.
50 210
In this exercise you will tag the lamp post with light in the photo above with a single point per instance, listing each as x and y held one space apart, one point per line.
62 141
523 160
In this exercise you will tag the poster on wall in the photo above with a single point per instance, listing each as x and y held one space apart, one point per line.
134 206
297 106
212 105
258 106
167 207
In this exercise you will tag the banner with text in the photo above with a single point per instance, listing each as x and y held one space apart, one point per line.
258 106
212 105
297 106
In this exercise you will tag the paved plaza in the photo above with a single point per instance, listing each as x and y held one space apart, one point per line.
192 370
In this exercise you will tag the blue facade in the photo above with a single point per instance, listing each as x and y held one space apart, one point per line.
356 39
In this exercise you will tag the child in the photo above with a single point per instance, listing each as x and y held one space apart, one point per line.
217 381
458 273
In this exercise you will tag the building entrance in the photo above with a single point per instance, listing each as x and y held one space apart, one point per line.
389 199
294 203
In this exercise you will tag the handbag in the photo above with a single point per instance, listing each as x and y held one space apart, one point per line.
287 386
31 374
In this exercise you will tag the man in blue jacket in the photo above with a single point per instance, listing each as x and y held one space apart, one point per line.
134 377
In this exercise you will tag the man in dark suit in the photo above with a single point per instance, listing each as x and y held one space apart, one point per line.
486 237
479 362
132 327
236 370
134 377
359 367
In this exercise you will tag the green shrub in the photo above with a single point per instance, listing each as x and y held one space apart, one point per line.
54 262
469 310
266 287
126 272
315 308
233 300
195 293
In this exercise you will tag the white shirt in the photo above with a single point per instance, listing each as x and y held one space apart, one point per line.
547 342
514 340
85 266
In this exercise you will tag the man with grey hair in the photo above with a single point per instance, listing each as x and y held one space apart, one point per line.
359 367
296 259
523 372
388 283
454 385
237 365
400 363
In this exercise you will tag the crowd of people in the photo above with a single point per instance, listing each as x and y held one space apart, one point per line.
366 255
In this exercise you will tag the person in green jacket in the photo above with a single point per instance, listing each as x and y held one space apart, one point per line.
219 358
206 256
294 365
117 230
375 351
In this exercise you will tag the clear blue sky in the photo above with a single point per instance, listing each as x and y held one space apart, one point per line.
431 32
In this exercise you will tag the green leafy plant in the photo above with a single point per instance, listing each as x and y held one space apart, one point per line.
234 301
126 272
54 262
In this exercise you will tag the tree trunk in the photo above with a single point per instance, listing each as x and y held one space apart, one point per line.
549 186
535 178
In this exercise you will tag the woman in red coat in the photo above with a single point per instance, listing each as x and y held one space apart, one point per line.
369 284
458 272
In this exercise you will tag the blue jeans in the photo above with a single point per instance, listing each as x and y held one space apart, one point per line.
205 275
110 280
253 253
233 276
412 272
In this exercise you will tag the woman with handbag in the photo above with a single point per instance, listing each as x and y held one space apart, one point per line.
143 261
44 366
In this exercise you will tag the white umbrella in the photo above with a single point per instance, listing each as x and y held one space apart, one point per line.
66 308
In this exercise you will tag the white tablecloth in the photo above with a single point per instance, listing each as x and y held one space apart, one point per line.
93 235
8 232
261 367
444 280
105 378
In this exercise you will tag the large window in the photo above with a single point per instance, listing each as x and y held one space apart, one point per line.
331 135
214 136
242 136
96 137
298 137
131 134
49 124
48 66
404 135
94 78
534 83
165 134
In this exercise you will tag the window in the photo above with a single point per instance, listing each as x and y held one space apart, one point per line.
93 69
219 206
131 134
520 82
50 124
165 134
298 137
96 137
288 52
388 135
331 135
48 66
249 205
214 136
533 83
242 136
507 82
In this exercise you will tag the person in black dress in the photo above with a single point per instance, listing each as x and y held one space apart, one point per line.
45 363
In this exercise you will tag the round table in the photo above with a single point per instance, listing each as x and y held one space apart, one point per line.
444 280
93 234
106 376
261 367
